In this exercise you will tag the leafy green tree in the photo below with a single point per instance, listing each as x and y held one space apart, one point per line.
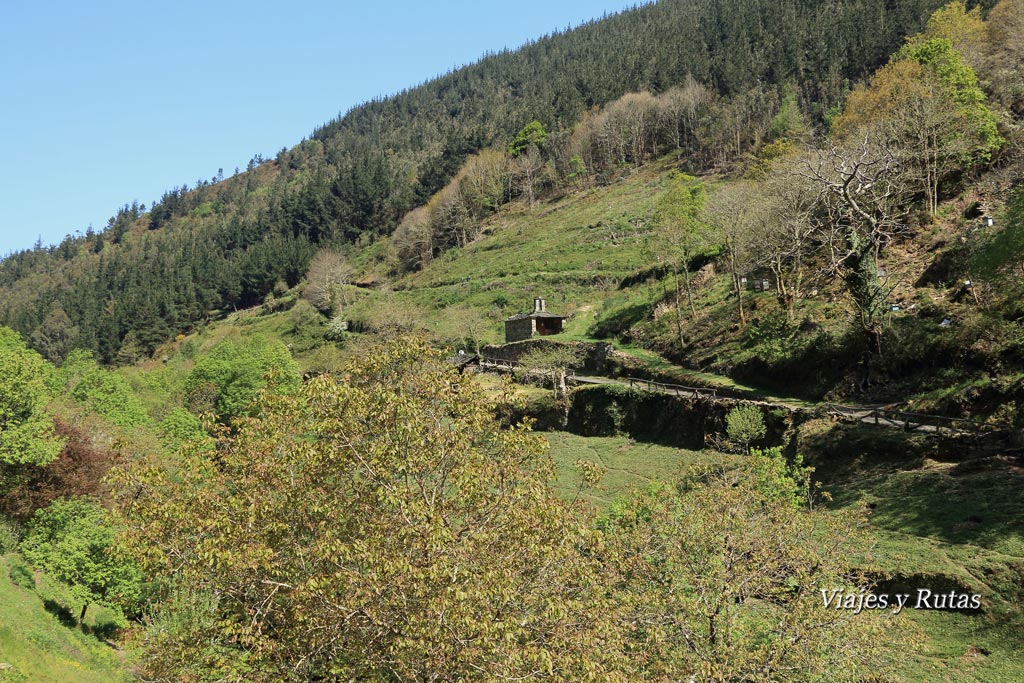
744 425
788 123
102 390
236 370
381 528
179 426
930 105
960 82
26 429
73 540
533 134
719 579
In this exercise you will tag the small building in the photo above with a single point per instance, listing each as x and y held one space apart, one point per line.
539 323
759 280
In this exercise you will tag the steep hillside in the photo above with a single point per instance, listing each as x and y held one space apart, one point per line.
36 643
226 243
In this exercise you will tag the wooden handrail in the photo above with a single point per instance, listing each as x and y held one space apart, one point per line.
912 420
649 384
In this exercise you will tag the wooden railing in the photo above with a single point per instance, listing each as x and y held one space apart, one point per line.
486 362
909 421
677 389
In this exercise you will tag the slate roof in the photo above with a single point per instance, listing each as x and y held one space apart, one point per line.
535 314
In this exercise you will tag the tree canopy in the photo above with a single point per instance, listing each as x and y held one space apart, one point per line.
26 429
73 540
385 527
720 578
227 379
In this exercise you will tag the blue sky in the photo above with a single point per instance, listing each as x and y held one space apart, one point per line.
108 102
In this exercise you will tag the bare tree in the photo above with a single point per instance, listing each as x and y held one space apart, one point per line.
679 108
328 274
413 239
785 233
528 172
736 212
863 194
482 181
681 235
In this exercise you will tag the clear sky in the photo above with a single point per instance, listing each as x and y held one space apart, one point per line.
105 102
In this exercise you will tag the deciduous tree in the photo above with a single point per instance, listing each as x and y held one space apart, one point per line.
26 429
720 578
682 235
735 211
380 528
329 273
73 540
863 196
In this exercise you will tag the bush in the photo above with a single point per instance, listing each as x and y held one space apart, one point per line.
22 576
101 390
336 329
235 372
180 426
744 425
9 536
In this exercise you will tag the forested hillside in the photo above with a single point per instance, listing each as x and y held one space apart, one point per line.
257 433
225 242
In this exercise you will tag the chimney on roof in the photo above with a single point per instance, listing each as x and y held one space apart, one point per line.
539 305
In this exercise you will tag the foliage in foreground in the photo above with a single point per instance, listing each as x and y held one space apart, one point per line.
73 541
387 527
378 529
26 430
720 578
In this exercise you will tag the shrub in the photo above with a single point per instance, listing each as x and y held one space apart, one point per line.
235 371
101 390
744 425
9 536
179 426
22 576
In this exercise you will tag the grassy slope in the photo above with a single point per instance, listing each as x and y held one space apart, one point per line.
937 525
574 251
626 463
41 649
935 521
929 520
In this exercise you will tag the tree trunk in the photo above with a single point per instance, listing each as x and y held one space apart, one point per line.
734 267
739 299
81 617
689 291
867 292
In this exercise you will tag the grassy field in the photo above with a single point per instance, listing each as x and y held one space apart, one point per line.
940 523
933 524
626 463
39 648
